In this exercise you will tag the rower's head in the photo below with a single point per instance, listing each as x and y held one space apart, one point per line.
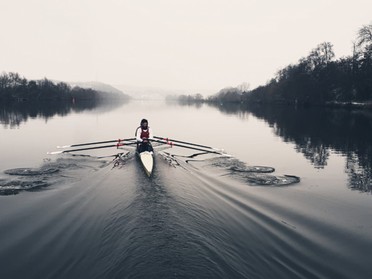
144 124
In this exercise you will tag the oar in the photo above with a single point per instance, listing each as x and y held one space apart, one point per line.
97 142
188 143
89 148
189 147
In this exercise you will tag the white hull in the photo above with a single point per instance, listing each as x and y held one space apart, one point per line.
147 160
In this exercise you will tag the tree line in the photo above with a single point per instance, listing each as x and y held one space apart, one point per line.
316 79
14 88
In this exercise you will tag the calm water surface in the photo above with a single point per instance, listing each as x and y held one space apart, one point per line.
199 215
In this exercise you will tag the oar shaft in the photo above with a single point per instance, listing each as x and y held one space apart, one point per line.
184 142
97 142
185 146
94 147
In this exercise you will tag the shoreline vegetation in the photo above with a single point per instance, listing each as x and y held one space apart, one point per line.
17 89
316 80
21 99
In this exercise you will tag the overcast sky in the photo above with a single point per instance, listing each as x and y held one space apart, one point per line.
195 45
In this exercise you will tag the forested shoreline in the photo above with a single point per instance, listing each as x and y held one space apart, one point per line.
14 88
21 99
317 79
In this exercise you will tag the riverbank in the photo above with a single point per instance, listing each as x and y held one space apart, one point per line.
350 105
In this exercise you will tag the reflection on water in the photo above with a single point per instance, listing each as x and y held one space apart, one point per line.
318 131
13 114
198 216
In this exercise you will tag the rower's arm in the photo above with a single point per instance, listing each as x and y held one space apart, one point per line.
138 135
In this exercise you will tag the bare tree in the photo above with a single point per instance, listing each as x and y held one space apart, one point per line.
364 43
321 55
364 36
244 87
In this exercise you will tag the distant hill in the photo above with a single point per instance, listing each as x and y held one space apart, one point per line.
148 93
99 86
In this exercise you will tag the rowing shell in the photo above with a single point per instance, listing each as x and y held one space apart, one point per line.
147 160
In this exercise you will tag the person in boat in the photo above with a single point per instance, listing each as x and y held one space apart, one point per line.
143 136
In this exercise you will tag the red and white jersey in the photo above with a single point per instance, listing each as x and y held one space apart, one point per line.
141 134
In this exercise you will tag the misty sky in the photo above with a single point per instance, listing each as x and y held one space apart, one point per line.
194 45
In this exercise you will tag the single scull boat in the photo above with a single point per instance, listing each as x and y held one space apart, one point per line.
147 160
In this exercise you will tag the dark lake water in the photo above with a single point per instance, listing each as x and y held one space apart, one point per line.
291 198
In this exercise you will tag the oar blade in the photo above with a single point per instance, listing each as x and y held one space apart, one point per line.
63 146
54 152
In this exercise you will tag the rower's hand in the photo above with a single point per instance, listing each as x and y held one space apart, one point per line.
145 140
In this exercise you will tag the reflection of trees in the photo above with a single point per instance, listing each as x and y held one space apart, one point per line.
316 131
360 175
14 113
301 127
183 102
316 154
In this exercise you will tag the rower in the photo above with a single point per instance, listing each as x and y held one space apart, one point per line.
143 136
